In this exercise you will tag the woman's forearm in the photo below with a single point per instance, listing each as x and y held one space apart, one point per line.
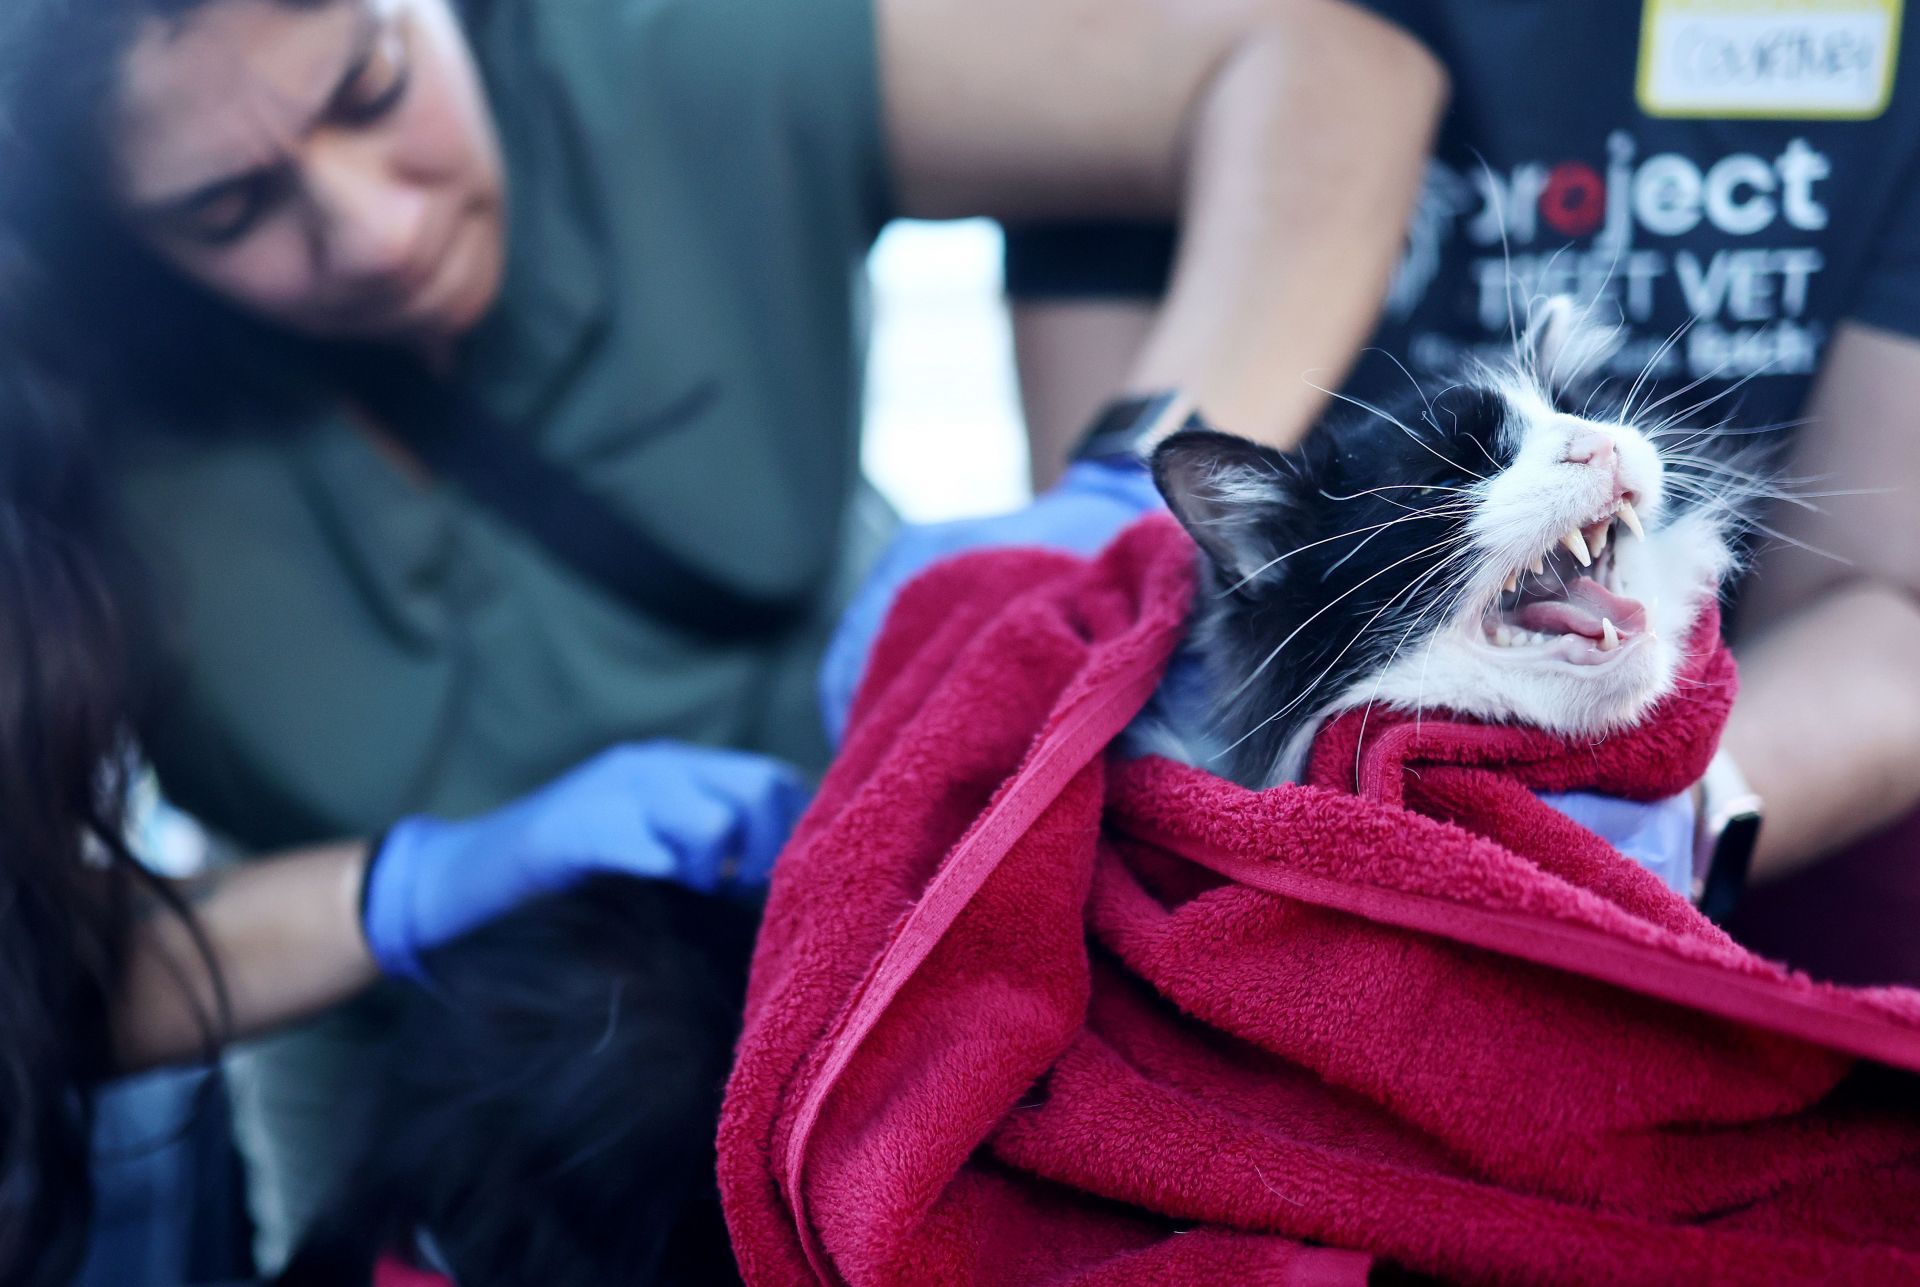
1304 159
1827 728
285 934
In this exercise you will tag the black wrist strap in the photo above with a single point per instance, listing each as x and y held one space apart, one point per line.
462 441
1726 831
1127 427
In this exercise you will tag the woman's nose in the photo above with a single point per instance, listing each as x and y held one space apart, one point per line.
370 222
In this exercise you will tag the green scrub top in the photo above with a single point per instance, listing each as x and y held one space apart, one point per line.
693 186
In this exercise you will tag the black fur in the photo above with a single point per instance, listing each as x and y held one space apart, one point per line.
547 1110
1327 553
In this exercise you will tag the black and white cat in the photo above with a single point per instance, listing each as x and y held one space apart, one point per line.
1500 549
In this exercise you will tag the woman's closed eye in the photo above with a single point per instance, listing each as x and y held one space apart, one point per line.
225 214
378 84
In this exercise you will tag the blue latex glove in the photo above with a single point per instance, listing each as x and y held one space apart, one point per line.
1658 835
1093 501
710 819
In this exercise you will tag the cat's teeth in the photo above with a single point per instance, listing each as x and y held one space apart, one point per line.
1628 516
1504 637
1513 583
1577 547
1609 637
1539 565
1597 538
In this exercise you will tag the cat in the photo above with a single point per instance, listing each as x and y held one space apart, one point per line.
1512 548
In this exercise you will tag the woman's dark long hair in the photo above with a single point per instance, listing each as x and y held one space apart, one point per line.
63 895
149 349
96 339
68 885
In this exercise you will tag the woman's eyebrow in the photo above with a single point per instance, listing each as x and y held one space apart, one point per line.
359 53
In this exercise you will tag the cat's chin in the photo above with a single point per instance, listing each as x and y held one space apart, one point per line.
1570 685
1575 688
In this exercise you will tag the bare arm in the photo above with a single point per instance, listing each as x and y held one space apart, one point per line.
1827 727
1287 136
286 934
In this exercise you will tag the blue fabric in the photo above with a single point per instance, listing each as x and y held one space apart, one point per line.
657 809
166 1190
1658 836
1092 502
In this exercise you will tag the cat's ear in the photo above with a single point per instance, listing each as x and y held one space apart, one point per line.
1236 499
1567 346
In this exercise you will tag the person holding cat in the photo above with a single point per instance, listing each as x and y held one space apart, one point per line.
478 381
1750 235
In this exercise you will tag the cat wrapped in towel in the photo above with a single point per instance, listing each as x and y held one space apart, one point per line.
1190 914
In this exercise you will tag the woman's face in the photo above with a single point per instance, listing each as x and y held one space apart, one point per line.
328 167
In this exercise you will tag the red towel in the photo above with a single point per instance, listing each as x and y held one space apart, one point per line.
1025 1014
388 1271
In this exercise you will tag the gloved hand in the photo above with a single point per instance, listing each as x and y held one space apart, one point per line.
710 819
1657 834
1085 510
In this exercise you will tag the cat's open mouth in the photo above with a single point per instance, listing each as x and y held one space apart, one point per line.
1566 605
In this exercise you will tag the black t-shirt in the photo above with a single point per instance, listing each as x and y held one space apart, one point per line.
1560 169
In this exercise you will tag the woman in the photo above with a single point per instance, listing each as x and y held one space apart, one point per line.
105 968
611 246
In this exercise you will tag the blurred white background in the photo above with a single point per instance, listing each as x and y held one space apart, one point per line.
944 437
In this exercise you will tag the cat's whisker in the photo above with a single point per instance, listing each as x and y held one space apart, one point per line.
1593 298
1244 581
1342 560
1401 487
1483 451
1312 687
1721 430
1326 608
1418 392
1631 416
1673 337
1704 403
1319 679
1496 205
1366 714
1414 510
1395 420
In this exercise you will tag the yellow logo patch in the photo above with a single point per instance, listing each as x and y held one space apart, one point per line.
1768 59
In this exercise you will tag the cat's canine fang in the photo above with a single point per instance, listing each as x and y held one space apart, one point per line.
1577 546
1627 515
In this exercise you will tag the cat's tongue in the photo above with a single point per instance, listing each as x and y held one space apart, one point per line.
1587 605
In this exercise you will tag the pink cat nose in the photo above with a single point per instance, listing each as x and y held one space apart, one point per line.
1589 447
